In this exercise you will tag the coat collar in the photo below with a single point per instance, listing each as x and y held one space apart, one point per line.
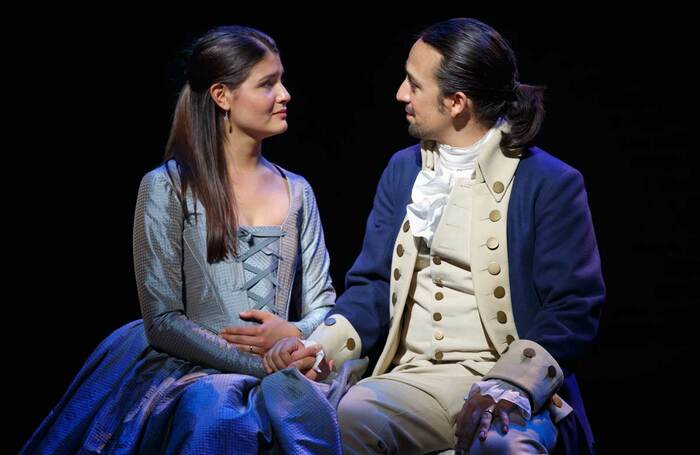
493 167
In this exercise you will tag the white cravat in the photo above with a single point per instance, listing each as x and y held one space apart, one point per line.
432 187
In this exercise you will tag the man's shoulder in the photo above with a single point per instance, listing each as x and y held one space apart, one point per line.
406 159
538 162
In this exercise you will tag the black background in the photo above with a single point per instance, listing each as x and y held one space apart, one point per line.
96 107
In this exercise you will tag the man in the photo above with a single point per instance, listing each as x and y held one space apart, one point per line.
479 272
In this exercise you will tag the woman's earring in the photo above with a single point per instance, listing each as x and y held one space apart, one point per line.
228 120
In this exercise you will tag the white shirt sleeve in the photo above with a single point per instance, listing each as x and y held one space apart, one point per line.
319 354
502 390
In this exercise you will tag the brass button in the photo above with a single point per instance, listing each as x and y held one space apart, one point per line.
439 296
552 371
499 292
529 353
397 273
350 344
498 187
394 298
436 260
494 268
438 355
437 317
438 282
399 250
406 226
510 339
492 243
501 317
557 401
439 335
495 215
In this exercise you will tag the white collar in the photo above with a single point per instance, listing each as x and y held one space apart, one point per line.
461 158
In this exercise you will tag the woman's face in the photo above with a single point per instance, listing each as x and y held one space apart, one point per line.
259 104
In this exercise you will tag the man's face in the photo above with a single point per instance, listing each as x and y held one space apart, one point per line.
427 118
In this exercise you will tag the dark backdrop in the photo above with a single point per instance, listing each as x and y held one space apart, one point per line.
620 101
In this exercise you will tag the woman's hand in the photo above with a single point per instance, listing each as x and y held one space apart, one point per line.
258 339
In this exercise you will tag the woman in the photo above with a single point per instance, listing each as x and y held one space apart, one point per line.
228 250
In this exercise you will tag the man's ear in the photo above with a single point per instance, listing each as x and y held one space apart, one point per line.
460 104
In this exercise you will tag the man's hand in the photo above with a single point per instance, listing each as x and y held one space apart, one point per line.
279 356
304 361
291 352
476 417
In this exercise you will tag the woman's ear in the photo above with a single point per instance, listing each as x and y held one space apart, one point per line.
220 94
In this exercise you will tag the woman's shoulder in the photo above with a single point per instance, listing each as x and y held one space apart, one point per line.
169 172
297 181
162 181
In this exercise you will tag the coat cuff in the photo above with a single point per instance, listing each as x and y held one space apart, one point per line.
339 339
529 366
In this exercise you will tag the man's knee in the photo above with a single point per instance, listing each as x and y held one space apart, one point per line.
362 423
494 444
355 413
514 441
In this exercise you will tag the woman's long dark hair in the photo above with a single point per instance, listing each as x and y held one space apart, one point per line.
478 61
223 55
